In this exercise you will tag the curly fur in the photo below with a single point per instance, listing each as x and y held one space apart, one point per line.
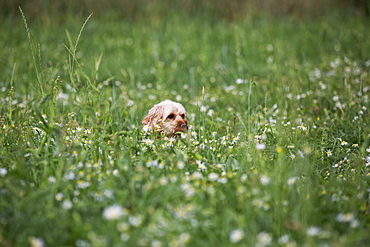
167 117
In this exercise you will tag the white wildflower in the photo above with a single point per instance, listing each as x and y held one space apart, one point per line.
264 238
313 231
213 176
67 204
264 180
236 235
36 242
135 220
292 180
3 172
113 212
260 146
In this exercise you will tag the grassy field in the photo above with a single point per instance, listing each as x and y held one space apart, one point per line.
278 152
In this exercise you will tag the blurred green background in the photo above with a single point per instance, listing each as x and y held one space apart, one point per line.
290 74
142 9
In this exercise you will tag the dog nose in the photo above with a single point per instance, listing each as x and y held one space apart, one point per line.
183 125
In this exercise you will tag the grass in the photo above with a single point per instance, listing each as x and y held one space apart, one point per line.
277 155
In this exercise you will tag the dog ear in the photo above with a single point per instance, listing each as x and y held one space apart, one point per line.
155 113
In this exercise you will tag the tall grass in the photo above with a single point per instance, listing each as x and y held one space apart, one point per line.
277 153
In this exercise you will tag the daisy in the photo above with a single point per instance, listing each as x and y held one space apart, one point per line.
36 242
284 239
67 204
313 231
201 165
343 143
260 146
113 212
240 81
264 238
292 180
236 235
147 128
292 156
264 180
180 165
3 172
258 203
51 179
135 220
347 217
213 176
184 238
59 196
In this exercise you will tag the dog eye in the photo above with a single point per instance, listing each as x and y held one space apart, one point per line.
183 116
171 116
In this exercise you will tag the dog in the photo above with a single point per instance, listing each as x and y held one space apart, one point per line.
168 118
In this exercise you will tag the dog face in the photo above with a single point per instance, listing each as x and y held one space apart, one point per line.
167 117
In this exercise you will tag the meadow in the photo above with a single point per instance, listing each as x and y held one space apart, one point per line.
278 151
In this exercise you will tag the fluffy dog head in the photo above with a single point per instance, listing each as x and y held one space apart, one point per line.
167 117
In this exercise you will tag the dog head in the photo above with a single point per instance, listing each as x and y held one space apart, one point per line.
167 117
